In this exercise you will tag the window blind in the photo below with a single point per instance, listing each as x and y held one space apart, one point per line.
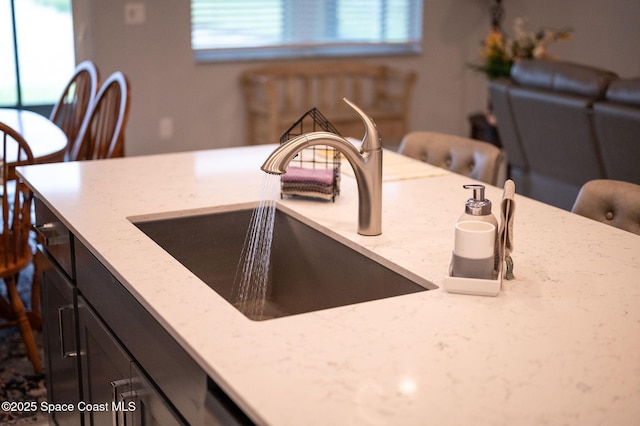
258 29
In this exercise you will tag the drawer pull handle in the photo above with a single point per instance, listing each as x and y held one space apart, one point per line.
51 234
123 392
64 352
116 387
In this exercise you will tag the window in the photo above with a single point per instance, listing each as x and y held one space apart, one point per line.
38 51
261 29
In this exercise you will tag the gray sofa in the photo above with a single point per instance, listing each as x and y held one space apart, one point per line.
563 124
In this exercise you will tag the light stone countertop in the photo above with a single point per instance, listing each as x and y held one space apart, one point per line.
559 345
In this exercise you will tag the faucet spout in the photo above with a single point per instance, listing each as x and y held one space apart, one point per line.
366 163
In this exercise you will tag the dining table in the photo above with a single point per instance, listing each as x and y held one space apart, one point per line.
47 141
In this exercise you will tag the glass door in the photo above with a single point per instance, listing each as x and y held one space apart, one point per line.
37 47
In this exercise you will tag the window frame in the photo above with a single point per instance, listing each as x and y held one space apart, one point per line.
412 46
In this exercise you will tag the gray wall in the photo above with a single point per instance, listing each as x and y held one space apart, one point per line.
203 103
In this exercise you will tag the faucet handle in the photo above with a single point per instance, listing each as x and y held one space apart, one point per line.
371 141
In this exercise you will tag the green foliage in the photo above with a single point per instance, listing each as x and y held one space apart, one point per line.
59 5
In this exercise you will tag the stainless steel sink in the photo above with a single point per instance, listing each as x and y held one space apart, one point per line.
309 269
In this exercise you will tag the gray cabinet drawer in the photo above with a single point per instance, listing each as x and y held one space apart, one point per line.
54 237
173 371
112 380
150 407
61 348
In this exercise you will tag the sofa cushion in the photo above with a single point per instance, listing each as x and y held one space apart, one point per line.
624 91
556 135
617 127
564 77
501 106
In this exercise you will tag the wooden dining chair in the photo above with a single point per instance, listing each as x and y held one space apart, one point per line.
71 110
102 135
15 250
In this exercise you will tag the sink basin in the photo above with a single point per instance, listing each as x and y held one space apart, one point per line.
309 269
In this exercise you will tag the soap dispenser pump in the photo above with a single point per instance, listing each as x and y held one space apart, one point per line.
478 207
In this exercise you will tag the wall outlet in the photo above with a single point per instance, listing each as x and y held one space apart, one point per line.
134 13
165 128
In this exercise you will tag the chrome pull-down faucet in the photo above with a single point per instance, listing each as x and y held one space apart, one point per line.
366 164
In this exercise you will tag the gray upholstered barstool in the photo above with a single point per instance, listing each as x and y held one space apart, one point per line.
469 157
613 202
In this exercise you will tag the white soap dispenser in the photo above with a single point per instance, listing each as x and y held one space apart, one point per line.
475 267
478 207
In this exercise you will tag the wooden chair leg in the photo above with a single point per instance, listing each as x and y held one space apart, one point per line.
5 310
23 324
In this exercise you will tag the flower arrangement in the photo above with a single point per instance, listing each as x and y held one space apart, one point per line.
500 52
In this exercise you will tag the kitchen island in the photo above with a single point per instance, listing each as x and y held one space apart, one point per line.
559 345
